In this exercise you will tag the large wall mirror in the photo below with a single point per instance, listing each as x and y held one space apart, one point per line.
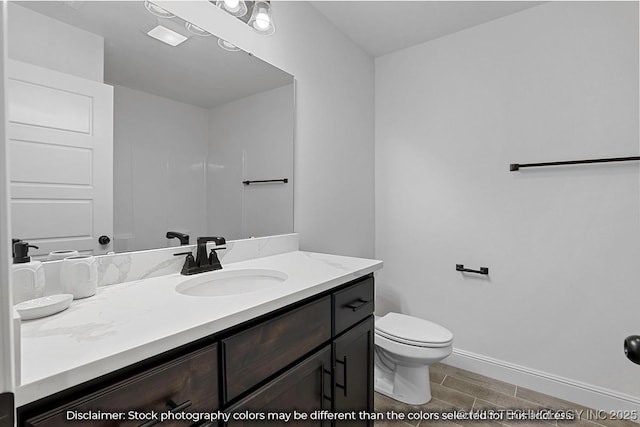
125 125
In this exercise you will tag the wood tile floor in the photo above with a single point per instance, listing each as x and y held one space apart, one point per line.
454 389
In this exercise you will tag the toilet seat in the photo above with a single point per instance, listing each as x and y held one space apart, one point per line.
413 331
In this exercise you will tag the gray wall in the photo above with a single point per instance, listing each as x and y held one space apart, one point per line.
555 82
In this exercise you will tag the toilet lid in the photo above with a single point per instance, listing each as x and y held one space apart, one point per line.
412 330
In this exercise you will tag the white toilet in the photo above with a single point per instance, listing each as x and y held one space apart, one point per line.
405 346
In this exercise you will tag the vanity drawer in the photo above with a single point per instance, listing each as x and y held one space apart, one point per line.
255 354
353 304
193 378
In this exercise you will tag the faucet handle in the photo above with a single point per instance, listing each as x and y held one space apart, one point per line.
189 262
213 258
217 240
184 253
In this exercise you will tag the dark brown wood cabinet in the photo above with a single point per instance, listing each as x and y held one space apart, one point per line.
255 354
352 305
354 371
298 393
315 355
187 384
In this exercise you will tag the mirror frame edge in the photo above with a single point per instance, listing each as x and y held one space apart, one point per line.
7 341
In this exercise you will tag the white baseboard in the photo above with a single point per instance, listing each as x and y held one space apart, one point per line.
563 388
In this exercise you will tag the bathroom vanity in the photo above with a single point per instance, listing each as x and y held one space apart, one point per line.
304 345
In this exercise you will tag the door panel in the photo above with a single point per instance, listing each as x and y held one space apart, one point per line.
354 371
304 388
60 132
31 161
51 219
50 107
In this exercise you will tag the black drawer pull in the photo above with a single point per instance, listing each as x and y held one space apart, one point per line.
173 408
357 304
343 386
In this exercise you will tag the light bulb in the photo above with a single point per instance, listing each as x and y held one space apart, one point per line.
228 46
234 7
261 18
194 29
262 21
157 10
232 4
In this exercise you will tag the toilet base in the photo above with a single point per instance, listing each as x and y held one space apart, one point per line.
407 384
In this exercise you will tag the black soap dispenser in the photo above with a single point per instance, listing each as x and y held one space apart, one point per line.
21 252
28 276
13 247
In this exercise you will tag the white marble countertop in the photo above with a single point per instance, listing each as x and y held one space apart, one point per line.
129 322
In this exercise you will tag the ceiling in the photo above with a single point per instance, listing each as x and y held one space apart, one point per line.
197 72
381 27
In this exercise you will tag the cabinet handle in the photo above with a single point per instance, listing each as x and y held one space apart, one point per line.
357 304
173 408
324 396
343 386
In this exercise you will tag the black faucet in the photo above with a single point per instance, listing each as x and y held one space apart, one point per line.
184 238
203 261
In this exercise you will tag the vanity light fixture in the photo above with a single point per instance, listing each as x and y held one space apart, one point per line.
261 18
236 8
228 46
166 35
194 29
157 10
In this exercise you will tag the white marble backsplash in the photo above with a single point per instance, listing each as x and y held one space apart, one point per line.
130 266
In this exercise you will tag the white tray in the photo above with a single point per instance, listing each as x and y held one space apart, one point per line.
45 306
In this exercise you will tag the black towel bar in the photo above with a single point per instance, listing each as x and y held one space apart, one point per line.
263 181
518 166
483 270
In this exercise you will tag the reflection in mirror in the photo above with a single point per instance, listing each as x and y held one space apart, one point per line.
118 137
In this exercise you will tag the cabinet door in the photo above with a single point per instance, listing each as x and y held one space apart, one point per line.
305 388
353 371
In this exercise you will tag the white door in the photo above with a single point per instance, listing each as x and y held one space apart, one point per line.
60 135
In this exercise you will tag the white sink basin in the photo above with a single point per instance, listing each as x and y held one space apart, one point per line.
232 282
